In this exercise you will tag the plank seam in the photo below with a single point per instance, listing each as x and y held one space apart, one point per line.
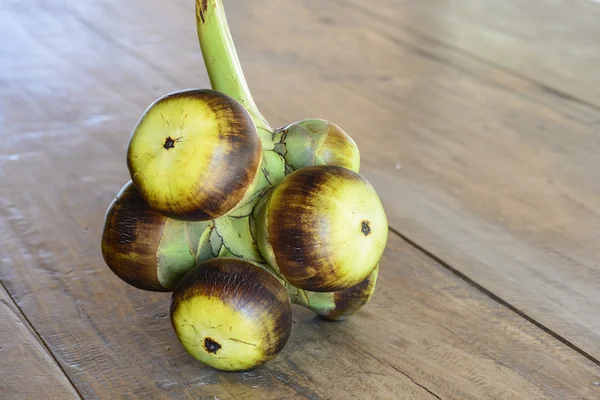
41 340
494 297
474 57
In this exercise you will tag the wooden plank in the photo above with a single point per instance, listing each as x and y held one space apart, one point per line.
553 42
27 369
497 174
427 334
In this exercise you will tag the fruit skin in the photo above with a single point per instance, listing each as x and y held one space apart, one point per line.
181 150
338 306
322 227
153 252
131 234
143 247
316 141
231 314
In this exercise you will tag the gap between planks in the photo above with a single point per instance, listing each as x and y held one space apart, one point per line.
462 52
39 338
472 56
493 296
541 85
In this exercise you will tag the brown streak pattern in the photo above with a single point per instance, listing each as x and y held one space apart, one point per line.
233 166
245 287
130 239
295 220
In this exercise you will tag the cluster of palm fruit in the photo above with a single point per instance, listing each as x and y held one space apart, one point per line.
239 220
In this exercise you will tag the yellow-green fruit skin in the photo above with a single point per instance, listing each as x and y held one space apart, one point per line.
231 314
323 227
316 141
194 154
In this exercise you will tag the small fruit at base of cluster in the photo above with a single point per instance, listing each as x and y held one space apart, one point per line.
231 314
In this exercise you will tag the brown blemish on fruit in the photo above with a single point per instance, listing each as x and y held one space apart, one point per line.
365 228
211 345
169 143
130 237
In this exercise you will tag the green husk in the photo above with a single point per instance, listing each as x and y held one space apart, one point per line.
237 238
204 248
174 255
216 242
271 172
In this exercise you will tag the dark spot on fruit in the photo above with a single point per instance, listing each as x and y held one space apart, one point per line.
365 228
211 346
169 143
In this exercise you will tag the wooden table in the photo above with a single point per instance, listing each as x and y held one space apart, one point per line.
478 123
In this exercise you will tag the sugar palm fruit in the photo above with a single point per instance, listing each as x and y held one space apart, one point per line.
322 227
181 150
316 141
231 314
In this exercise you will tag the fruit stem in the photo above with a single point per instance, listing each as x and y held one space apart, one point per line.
221 59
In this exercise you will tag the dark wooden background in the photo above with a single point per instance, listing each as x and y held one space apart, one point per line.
478 123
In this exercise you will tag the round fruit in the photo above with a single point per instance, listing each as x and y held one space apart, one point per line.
194 154
322 227
231 314
318 142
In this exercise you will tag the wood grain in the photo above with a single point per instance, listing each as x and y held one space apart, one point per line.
67 111
551 42
27 369
493 173
426 334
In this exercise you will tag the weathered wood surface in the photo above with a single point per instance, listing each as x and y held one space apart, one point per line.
471 141
426 334
551 42
27 370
